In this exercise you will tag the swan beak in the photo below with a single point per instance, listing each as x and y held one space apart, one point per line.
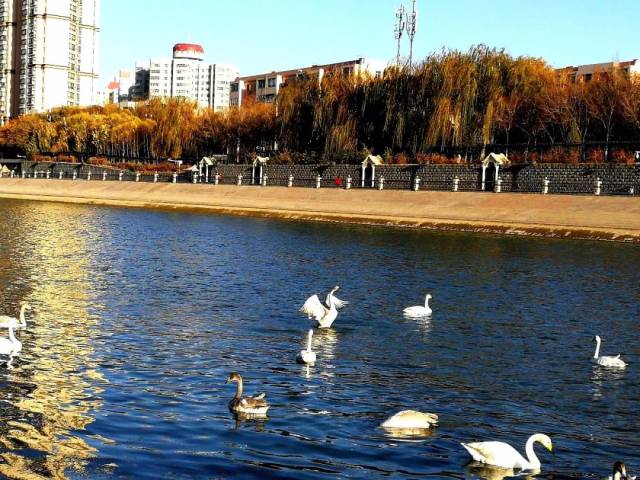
550 447
227 380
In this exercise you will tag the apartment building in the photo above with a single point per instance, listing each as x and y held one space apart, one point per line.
187 75
264 87
140 90
586 72
49 53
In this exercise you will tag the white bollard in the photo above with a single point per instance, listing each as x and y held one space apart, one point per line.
290 183
498 186
545 186
240 179
381 183
104 176
48 174
264 180
89 175
137 176
318 181
598 186
35 174
155 177
194 179
12 173
216 179
349 181
416 184
60 175
75 175
120 175
175 177
24 174
456 184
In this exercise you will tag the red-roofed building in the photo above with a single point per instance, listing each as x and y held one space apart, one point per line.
186 75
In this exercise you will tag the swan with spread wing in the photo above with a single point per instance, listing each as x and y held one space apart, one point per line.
325 314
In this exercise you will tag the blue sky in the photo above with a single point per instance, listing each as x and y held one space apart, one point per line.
266 35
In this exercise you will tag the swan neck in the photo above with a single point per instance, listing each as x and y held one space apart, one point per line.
23 321
331 299
239 389
426 302
597 352
12 337
532 458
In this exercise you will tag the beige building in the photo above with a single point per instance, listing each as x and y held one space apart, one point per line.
264 87
49 54
586 72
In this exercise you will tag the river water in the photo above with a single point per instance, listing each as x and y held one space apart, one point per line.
139 316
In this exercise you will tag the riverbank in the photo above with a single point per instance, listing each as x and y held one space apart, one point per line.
559 216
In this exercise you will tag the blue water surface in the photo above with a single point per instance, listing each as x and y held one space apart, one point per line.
139 316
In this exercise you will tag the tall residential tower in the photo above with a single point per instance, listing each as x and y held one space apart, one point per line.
48 54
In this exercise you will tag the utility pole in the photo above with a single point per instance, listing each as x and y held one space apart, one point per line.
411 30
399 28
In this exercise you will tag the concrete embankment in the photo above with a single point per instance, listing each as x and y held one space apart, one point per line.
560 216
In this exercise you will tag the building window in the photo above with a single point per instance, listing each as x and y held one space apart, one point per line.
261 83
272 82
234 87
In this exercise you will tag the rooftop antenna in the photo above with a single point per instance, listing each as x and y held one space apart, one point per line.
399 28
411 30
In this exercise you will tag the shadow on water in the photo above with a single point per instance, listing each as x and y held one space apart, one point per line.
139 317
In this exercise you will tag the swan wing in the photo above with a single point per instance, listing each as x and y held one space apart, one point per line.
611 362
338 303
254 402
6 320
313 308
499 454
411 419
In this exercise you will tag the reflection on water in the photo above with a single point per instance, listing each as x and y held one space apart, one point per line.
139 317
478 470
54 381
603 378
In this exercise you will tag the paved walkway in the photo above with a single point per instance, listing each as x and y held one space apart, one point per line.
566 216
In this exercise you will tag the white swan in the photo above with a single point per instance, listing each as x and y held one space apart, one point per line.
325 315
503 455
10 345
411 419
419 310
21 323
307 355
604 361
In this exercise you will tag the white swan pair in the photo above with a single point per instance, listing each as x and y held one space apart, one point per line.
325 314
419 310
11 345
606 361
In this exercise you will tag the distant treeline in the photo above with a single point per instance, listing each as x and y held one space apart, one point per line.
453 103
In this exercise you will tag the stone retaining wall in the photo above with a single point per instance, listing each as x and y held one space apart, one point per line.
616 179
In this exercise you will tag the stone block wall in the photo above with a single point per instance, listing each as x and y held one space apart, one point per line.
566 179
